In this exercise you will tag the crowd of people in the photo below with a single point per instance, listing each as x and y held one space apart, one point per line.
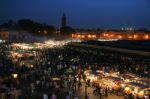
59 72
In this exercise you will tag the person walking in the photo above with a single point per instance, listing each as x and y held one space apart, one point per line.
45 96
88 96
106 92
68 96
53 96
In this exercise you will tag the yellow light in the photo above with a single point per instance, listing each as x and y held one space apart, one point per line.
146 36
112 35
94 36
15 76
95 78
127 90
105 34
31 66
135 36
79 36
89 36
141 94
120 37
75 36
130 37
123 85
82 36
72 35
136 90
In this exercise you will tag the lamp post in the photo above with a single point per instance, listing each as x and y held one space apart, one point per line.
15 77
100 94
85 91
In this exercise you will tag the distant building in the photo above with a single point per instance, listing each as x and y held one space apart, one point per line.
4 35
120 35
15 36
125 35
64 20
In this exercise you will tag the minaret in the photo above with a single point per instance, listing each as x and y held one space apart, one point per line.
63 20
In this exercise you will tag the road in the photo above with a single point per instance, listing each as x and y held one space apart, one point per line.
81 94
142 53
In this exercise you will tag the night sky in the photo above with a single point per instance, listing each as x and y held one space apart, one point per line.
80 13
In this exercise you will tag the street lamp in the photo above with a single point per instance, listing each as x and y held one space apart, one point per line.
15 75
85 91
15 79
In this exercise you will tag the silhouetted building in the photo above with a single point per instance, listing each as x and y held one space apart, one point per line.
64 20
65 29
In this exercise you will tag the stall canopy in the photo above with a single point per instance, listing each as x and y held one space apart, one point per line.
140 86
145 81
69 70
115 79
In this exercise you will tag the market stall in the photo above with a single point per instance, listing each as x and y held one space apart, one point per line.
135 88
92 75
114 82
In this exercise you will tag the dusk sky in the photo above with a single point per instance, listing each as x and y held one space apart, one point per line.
80 13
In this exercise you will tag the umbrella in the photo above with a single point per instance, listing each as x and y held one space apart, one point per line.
55 78
96 73
69 70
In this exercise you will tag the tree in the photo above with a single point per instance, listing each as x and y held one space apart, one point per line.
10 24
30 26
26 24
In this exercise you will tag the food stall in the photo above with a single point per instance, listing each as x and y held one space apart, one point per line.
92 75
136 88
129 77
114 82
